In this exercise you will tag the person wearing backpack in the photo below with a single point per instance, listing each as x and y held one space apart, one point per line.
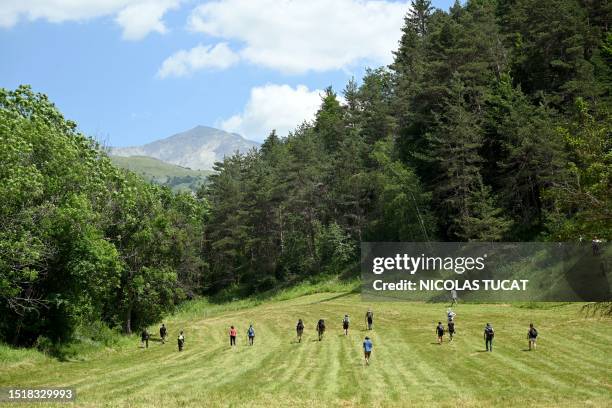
451 329
251 334
163 332
321 328
144 338
532 335
367 349
488 335
233 333
181 341
450 315
299 328
369 319
345 324
440 332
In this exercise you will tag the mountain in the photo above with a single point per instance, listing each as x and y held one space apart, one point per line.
198 148
159 172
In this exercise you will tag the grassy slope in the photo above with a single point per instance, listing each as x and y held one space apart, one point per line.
156 170
571 367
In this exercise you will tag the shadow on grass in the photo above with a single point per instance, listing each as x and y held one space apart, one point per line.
329 299
251 292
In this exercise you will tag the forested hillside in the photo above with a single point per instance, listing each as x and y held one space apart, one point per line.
492 123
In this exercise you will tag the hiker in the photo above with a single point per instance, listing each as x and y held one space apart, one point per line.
367 349
440 332
489 333
232 334
450 315
532 335
321 328
181 341
453 297
163 333
345 324
251 334
144 338
299 328
451 329
369 319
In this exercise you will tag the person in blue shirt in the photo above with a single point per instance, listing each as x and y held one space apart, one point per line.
367 349
251 334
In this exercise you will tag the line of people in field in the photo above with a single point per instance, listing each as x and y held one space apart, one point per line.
488 334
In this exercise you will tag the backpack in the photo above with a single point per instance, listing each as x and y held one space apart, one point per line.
300 326
489 332
321 325
533 333
251 332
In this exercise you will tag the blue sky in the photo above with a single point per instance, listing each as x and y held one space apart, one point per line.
130 72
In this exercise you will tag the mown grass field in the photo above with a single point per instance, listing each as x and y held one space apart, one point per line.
571 367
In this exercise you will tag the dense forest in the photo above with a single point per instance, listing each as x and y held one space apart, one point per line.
492 123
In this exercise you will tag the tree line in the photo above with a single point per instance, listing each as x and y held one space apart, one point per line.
82 241
492 123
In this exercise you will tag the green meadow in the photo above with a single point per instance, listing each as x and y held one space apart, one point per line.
571 366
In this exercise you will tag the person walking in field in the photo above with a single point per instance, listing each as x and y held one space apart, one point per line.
299 328
453 297
345 324
181 341
163 333
320 328
532 335
450 315
369 317
440 332
451 330
367 349
488 335
251 334
144 338
233 333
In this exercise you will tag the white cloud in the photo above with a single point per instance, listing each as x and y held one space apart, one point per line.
300 36
272 106
184 62
137 18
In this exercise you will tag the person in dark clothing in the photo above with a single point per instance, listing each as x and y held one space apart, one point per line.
163 333
440 332
144 338
369 319
181 341
532 335
321 328
251 334
451 330
488 335
345 324
299 328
